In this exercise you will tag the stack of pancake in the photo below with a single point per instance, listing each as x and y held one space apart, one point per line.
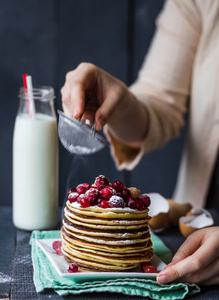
105 239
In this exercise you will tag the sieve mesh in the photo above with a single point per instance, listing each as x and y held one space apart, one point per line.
77 138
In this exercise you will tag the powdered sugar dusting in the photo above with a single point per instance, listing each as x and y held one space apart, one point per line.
111 242
108 210
4 278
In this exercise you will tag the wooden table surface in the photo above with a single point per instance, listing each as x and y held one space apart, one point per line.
16 272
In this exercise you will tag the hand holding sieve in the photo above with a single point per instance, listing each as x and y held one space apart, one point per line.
79 137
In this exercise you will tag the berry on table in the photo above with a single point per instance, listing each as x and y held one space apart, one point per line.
57 245
149 269
73 268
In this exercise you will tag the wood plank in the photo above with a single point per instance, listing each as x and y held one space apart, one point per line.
6 251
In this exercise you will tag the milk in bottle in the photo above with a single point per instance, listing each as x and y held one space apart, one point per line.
35 163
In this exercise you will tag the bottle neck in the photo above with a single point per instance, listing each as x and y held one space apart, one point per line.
41 101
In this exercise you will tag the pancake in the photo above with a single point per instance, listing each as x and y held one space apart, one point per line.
113 237
133 248
113 213
94 222
114 233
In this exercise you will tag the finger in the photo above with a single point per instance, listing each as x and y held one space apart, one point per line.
82 79
201 258
90 111
66 100
77 96
107 108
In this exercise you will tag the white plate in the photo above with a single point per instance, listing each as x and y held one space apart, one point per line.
61 266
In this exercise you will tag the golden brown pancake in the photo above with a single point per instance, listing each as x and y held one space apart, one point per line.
106 239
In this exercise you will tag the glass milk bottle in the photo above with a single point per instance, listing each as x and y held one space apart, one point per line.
35 162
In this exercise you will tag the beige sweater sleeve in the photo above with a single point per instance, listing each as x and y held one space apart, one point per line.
163 83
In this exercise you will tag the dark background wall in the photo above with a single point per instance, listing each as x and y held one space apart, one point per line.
48 38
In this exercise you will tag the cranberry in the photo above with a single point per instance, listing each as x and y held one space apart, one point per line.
118 185
108 192
126 193
146 200
92 195
72 190
59 251
84 201
133 198
86 185
104 204
82 188
56 244
140 205
149 269
101 181
119 194
72 197
73 268
116 201
99 200
145 264
57 247
131 204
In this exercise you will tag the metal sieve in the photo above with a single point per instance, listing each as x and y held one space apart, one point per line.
79 137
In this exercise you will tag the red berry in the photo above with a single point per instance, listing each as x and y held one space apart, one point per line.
108 192
57 247
72 190
86 185
133 198
59 251
84 201
131 204
140 205
116 201
101 181
72 197
82 188
145 264
149 269
56 244
99 199
146 200
126 193
73 268
92 195
118 185
104 204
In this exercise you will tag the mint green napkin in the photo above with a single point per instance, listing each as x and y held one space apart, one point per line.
46 277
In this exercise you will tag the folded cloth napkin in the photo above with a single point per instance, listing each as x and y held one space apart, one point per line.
45 276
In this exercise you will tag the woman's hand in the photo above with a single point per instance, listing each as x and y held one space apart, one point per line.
196 261
110 101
